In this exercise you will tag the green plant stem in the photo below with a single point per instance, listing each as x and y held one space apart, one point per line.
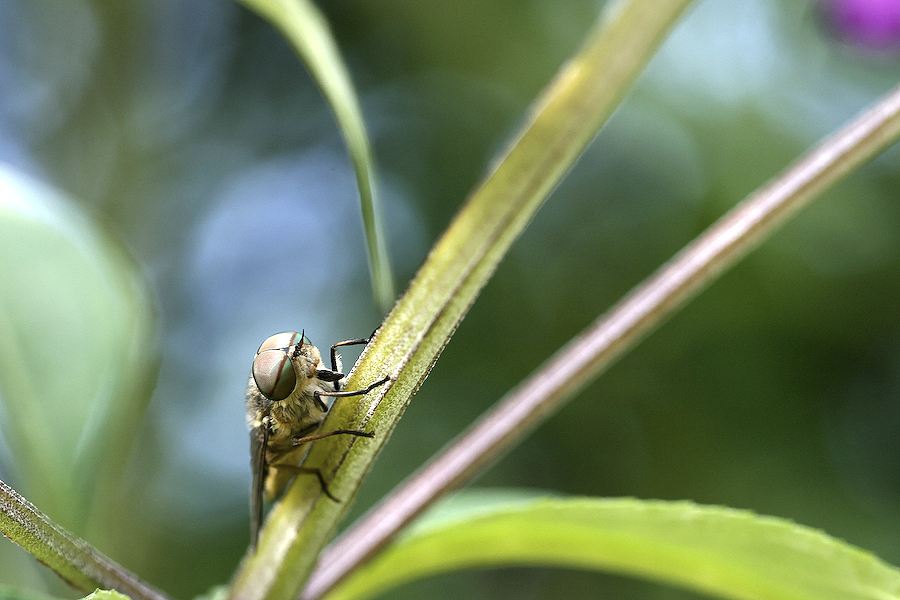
77 562
613 334
561 124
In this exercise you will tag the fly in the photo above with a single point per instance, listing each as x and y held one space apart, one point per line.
285 410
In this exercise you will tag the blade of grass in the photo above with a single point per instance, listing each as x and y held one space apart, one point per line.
563 121
305 27
77 562
613 334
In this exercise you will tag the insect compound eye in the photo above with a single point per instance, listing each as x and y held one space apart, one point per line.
280 340
274 374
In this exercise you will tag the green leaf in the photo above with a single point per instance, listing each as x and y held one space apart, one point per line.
106 595
720 551
218 592
304 26
77 348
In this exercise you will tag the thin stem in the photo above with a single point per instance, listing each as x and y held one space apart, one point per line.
615 332
73 559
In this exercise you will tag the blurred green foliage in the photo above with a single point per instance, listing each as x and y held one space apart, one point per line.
193 135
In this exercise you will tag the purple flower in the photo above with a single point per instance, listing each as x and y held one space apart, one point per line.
869 24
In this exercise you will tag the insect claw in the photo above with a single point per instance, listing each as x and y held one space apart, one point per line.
327 491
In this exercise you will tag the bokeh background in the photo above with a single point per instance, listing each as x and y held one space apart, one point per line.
187 143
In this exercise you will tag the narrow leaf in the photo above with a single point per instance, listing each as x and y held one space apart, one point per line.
304 26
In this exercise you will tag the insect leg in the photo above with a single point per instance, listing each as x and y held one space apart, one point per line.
311 471
362 392
317 395
353 342
334 358
314 471
311 438
318 436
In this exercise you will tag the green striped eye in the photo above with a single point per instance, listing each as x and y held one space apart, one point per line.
274 374
272 369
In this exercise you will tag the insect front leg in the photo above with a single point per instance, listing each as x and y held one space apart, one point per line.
334 355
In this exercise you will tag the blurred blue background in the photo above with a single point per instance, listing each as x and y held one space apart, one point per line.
209 171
